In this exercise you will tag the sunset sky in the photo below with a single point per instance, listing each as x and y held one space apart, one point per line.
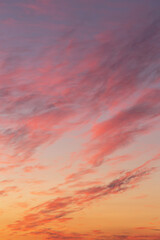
79 120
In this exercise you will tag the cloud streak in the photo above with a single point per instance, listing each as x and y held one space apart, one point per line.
55 210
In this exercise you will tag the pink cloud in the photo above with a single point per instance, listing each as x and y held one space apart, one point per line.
28 169
59 208
123 128
8 190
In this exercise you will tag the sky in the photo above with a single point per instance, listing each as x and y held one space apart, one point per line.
79 119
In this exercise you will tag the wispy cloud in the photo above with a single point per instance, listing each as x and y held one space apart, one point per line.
56 209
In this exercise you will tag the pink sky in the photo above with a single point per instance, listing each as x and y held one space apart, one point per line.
79 120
